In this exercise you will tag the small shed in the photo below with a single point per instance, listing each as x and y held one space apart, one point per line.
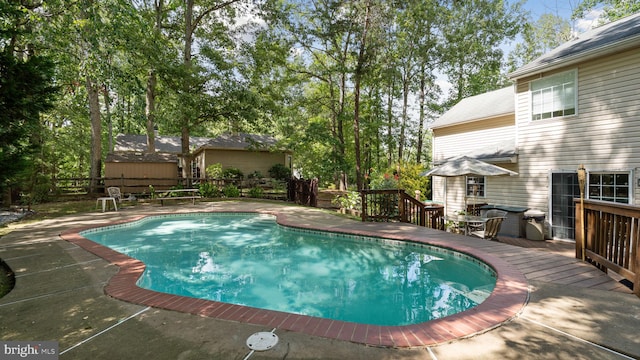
133 172
249 153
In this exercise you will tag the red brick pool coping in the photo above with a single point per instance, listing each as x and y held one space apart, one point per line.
505 302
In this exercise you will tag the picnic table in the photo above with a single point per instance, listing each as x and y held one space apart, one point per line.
177 194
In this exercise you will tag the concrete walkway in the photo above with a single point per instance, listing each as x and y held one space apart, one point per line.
59 296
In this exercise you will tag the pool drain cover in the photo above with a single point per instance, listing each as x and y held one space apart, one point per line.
262 341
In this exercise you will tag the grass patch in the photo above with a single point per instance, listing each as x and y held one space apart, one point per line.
50 210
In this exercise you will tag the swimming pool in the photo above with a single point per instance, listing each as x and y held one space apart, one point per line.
248 259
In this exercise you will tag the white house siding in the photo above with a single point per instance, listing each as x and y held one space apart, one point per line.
464 139
604 134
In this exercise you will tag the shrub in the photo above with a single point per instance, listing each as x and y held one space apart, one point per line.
255 175
349 200
214 171
232 173
256 192
231 191
209 190
280 172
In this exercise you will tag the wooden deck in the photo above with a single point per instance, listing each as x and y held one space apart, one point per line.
558 265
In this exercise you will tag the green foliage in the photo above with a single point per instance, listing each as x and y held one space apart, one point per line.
37 190
349 200
383 180
256 192
402 176
280 172
612 9
209 190
255 175
231 191
25 92
214 171
232 173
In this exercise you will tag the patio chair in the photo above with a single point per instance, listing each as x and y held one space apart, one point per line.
115 193
114 197
495 213
491 229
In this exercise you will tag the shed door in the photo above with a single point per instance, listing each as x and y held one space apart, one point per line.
564 188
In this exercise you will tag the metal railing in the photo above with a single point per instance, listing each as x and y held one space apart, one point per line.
608 236
397 205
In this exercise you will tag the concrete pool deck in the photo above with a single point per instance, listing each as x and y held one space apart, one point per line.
59 295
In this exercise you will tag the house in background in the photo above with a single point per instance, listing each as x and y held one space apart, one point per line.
250 153
481 127
132 169
577 104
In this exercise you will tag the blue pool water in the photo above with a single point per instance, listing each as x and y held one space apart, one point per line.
248 259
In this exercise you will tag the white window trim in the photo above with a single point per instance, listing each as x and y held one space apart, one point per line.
530 96
484 183
608 172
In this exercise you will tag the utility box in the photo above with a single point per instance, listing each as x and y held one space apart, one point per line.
534 224
513 225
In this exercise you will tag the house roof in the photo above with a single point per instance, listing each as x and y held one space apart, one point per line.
164 144
173 144
603 40
239 142
127 157
479 107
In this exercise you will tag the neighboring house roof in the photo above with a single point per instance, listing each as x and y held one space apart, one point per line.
491 104
164 144
173 144
239 142
603 40
127 157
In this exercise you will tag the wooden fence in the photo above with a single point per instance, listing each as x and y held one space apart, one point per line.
397 205
141 187
611 236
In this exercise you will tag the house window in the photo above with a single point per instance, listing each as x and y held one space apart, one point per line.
612 187
475 186
553 96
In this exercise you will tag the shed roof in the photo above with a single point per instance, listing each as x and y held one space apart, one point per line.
131 157
240 142
173 144
603 40
491 104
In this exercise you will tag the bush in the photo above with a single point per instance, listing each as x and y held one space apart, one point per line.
349 200
280 172
208 190
231 191
256 192
214 171
232 173
255 175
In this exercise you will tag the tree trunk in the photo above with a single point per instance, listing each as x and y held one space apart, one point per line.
390 123
421 118
107 114
150 110
356 102
403 125
185 127
96 134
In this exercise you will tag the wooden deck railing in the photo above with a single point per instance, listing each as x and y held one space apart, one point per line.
397 205
611 234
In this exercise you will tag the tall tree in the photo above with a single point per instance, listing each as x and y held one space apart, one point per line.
473 32
548 32
612 9
26 92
